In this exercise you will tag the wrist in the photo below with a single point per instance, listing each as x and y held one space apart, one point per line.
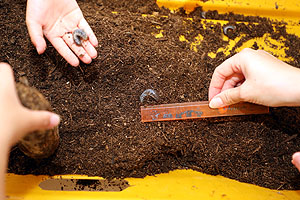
291 91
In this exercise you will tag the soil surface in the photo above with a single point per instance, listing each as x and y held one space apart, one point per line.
101 133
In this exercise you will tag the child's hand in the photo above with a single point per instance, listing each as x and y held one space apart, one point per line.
257 77
57 19
15 119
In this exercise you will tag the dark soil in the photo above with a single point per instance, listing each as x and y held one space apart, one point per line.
101 133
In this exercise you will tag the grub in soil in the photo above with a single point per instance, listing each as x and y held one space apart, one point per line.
101 132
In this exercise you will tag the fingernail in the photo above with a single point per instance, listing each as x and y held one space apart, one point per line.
216 103
94 57
54 120
38 51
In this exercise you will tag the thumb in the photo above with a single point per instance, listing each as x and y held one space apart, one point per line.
226 98
296 160
36 34
37 120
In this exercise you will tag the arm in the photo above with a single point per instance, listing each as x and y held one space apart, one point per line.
57 19
16 120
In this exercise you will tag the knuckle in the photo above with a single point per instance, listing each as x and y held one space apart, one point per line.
243 96
232 96
246 55
260 51
246 92
246 52
218 72
227 98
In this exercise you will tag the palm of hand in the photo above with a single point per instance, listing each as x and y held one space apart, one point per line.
57 19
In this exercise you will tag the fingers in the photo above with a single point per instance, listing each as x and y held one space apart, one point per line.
296 160
90 49
36 34
85 26
20 120
225 98
228 79
64 51
85 52
227 69
33 120
233 81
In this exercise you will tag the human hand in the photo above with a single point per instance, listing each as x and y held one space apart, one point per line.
15 119
57 19
254 76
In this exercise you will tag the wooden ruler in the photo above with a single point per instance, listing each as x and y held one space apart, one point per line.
195 110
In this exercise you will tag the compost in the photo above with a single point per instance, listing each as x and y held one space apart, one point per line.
143 47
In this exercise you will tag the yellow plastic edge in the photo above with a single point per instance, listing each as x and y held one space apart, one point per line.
279 10
276 47
175 185
275 9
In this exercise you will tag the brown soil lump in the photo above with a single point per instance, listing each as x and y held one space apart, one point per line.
41 143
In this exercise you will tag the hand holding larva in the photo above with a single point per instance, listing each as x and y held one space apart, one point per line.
56 22
78 35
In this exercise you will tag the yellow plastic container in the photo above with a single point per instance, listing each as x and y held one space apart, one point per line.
183 184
